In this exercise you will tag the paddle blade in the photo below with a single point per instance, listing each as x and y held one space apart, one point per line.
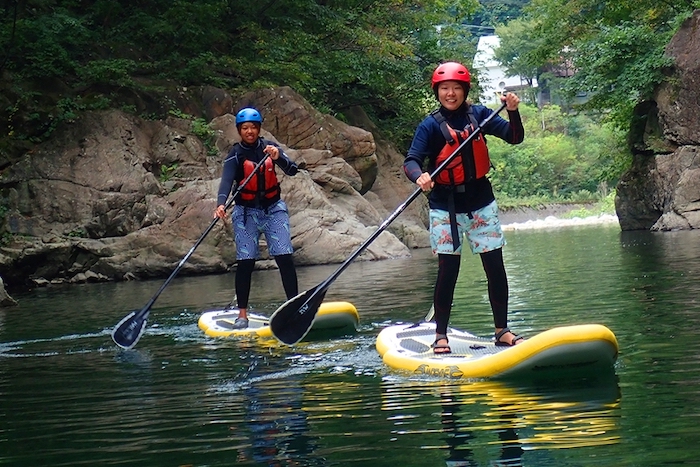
431 314
129 330
292 321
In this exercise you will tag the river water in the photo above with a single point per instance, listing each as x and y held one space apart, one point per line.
69 397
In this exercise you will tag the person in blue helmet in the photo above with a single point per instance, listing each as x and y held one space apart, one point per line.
259 208
461 200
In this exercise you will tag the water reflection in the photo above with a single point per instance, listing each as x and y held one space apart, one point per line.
495 423
276 425
458 437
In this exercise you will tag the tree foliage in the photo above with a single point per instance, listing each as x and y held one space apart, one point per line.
495 12
515 52
610 51
336 53
615 48
564 157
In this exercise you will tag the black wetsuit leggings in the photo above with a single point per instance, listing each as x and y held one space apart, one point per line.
448 270
244 274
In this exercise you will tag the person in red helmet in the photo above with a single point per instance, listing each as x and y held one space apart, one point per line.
461 199
259 208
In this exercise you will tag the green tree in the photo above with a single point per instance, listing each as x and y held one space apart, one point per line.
495 12
516 44
569 157
616 48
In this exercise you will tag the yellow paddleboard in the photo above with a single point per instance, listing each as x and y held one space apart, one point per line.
332 319
581 348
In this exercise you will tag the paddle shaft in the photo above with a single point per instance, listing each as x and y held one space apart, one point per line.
143 313
325 284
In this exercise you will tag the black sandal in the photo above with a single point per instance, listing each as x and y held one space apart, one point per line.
441 349
500 343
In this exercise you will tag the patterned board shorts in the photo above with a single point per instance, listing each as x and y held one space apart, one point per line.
483 230
249 223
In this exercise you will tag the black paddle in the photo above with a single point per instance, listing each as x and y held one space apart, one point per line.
129 330
293 320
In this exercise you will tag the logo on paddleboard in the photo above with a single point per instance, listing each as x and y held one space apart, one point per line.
304 309
447 372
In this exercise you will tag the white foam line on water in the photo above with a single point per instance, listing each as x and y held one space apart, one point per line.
7 347
555 222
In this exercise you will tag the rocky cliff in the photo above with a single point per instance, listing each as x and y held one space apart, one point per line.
662 189
115 197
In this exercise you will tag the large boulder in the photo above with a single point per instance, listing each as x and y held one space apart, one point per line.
5 299
116 197
298 125
390 188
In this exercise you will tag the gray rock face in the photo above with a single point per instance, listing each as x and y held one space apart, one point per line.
5 299
662 189
115 197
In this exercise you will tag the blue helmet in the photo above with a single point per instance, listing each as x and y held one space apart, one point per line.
248 114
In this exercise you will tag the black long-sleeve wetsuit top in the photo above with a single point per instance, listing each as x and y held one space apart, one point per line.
429 140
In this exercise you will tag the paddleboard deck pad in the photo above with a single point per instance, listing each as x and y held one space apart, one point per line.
332 319
580 348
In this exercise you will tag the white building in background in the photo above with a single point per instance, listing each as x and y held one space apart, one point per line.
492 76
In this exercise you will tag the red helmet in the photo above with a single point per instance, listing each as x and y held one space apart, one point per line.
451 71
